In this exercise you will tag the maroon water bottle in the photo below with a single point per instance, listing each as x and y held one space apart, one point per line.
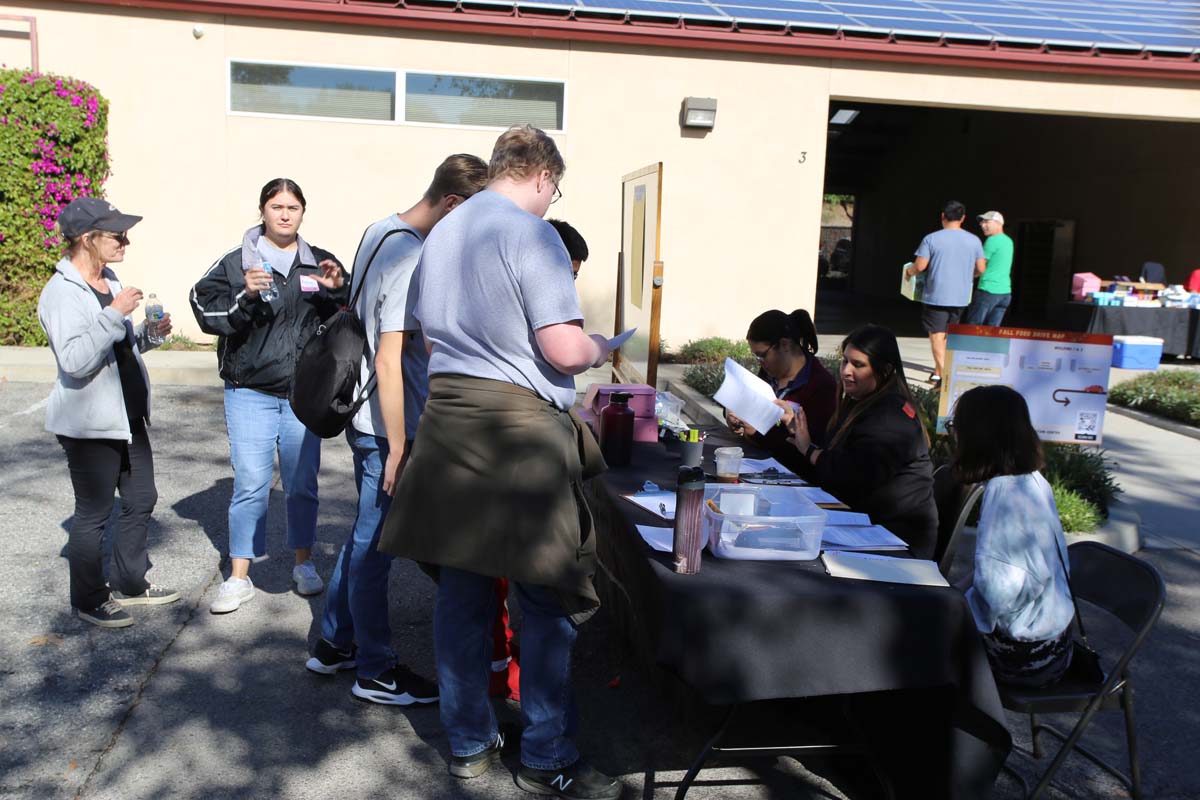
616 430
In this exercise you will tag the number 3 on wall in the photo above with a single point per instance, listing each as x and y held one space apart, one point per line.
803 156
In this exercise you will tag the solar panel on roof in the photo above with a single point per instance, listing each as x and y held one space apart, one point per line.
1117 23
826 19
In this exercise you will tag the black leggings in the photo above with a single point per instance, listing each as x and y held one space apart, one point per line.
99 468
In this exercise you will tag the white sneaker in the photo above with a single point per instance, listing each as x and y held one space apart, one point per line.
306 579
231 595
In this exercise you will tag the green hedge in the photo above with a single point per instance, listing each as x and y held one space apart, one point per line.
1173 394
53 149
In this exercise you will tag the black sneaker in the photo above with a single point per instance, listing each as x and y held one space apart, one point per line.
398 686
580 781
328 659
476 765
108 614
155 595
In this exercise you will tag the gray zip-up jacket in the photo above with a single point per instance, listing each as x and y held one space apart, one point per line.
87 401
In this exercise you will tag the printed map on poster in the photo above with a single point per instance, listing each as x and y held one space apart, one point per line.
1062 376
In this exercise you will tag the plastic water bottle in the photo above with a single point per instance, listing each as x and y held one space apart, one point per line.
268 294
154 315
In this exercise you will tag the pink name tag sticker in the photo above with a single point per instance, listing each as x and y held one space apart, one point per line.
309 284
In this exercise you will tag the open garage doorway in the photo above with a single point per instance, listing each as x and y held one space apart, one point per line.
1079 194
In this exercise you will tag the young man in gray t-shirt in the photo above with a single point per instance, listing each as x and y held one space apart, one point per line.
498 307
356 603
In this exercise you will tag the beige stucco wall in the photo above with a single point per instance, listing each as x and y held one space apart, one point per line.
741 214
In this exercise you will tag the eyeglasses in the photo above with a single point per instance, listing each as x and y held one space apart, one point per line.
557 195
763 355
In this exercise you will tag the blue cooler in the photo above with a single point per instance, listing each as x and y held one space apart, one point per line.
1137 352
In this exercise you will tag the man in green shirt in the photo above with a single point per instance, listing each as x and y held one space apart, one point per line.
994 291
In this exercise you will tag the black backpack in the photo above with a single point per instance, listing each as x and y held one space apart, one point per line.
323 394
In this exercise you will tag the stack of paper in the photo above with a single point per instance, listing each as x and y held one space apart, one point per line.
867 567
764 465
659 503
660 539
870 537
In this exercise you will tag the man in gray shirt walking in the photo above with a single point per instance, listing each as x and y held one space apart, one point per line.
951 257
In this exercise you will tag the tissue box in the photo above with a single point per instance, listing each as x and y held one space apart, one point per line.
1137 352
1084 283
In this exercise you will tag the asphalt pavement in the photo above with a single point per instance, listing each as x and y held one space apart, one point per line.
185 704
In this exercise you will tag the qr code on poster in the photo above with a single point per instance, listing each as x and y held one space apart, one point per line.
1087 425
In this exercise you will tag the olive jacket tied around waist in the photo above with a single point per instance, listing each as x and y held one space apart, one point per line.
494 486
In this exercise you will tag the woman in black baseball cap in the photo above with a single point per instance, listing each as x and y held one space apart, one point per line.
99 408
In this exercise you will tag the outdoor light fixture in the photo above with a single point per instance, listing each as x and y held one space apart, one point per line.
699 112
843 116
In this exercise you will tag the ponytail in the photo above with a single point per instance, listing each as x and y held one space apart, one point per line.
774 326
804 332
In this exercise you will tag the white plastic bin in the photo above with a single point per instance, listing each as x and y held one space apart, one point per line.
762 523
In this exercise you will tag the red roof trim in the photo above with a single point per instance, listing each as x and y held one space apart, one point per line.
645 30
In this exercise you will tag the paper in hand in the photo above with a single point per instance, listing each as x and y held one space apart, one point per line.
620 339
747 396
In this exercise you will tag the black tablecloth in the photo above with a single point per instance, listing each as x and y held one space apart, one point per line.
1179 328
741 631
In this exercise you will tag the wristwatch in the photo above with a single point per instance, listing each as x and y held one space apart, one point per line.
812 447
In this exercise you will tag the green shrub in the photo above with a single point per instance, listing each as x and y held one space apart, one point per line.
714 349
706 378
1173 394
1077 514
53 149
1084 470
177 341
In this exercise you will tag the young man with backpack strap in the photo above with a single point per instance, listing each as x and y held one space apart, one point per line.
380 435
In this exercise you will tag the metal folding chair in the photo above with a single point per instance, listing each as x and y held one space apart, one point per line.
955 502
1132 591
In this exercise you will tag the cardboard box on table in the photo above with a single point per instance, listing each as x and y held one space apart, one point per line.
645 423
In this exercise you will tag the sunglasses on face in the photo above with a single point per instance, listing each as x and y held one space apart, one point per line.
119 238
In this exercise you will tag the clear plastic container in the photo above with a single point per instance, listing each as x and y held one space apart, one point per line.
762 523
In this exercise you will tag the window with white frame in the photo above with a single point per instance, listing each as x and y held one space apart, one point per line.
312 91
484 101
370 94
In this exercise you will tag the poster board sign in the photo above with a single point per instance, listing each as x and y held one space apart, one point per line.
1062 376
639 275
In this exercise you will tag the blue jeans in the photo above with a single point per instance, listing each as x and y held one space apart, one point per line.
356 601
987 308
258 425
462 631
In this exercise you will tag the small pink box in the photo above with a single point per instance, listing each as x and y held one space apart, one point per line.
642 401
1084 283
645 424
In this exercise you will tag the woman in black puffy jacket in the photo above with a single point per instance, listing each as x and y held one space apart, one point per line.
263 300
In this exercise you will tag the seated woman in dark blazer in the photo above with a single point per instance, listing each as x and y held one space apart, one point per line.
877 457
786 348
